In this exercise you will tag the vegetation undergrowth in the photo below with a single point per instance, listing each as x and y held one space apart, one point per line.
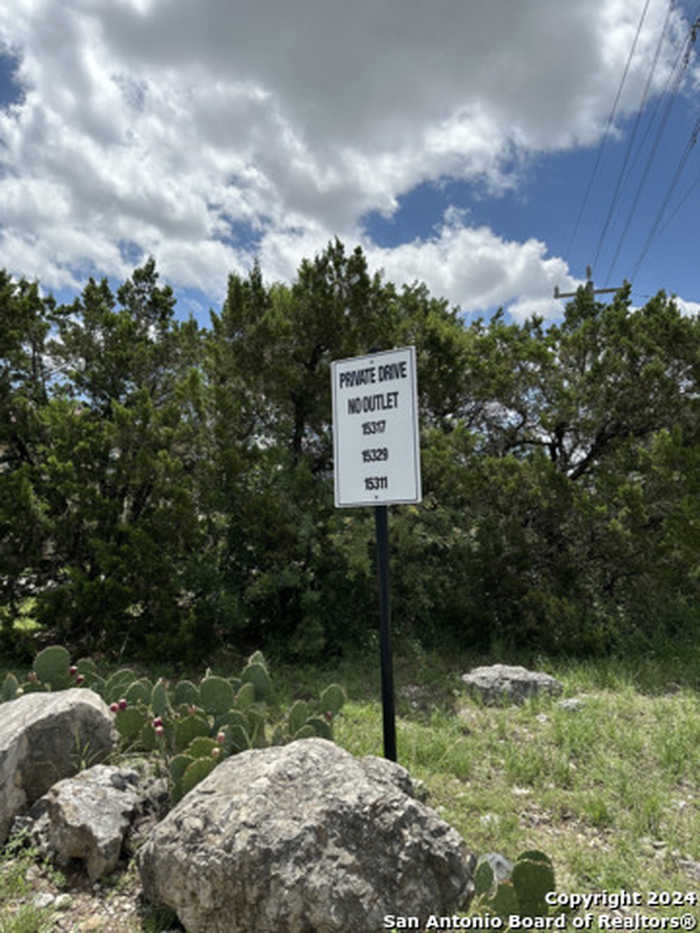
609 789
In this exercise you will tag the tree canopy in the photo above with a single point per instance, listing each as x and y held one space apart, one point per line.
169 487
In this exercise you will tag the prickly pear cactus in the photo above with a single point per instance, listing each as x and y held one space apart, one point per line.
321 727
201 746
159 700
196 772
236 739
245 696
257 675
178 765
189 728
533 878
521 895
86 668
130 723
297 716
332 699
139 692
51 667
10 686
504 902
116 686
216 695
186 694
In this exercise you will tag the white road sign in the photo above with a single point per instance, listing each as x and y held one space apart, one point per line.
375 429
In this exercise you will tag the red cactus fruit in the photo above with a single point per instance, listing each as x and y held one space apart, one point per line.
80 679
114 707
220 737
122 703
215 752
72 670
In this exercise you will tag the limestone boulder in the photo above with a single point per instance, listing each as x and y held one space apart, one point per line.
88 817
499 683
303 838
45 737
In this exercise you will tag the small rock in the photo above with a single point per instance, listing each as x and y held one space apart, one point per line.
45 899
63 902
490 820
572 704
92 923
503 683
542 718
501 867
691 868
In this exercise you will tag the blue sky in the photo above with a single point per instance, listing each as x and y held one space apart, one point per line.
454 141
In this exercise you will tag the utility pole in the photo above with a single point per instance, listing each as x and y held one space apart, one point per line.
589 287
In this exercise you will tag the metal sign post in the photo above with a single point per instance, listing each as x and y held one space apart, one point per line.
377 463
388 716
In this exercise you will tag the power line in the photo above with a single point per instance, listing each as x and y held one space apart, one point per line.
606 133
674 181
640 110
684 197
677 76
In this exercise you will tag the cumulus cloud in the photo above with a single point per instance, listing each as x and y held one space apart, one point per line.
171 124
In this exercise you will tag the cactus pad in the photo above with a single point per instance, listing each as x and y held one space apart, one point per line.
216 694
483 878
8 691
148 738
332 699
117 685
86 667
159 700
196 772
321 728
138 692
297 716
256 674
245 696
201 746
237 740
532 881
306 732
51 667
505 901
188 729
130 722
186 694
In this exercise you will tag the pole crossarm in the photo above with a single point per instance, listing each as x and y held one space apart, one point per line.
588 286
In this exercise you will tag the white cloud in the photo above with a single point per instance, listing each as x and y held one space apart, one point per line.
163 123
479 270
688 308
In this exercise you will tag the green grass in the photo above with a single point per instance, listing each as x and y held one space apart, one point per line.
18 915
609 791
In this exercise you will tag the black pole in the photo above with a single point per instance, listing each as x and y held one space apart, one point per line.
381 523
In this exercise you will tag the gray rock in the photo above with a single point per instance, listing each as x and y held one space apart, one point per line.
43 738
501 682
43 900
303 837
572 704
501 867
690 868
88 817
93 816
